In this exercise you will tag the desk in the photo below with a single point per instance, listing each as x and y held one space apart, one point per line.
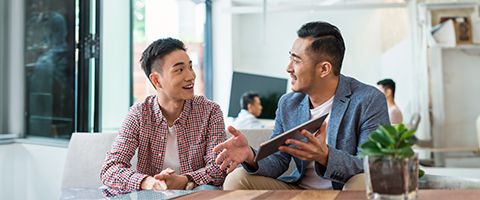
464 194
324 194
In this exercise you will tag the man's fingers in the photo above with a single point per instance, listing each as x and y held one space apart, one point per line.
311 138
167 171
220 146
163 185
299 144
233 131
221 157
225 164
156 186
295 152
161 176
232 167
323 128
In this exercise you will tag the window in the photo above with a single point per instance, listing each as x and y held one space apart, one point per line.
50 67
60 79
182 19
3 64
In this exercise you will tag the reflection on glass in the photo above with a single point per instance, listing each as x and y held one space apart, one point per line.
184 20
49 68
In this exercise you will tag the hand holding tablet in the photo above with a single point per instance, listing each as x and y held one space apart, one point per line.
271 146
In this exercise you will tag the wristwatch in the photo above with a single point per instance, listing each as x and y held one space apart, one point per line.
190 184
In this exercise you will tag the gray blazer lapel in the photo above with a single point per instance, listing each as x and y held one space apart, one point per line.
304 110
304 116
340 104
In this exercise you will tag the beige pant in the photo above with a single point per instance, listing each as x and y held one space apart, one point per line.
239 179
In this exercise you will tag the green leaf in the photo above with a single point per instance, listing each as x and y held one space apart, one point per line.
369 148
371 152
369 144
407 134
400 127
381 137
405 152
388 140
390 130
420 173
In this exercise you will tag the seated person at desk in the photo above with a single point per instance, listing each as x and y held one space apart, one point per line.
327 159
173 131
251 109
387 86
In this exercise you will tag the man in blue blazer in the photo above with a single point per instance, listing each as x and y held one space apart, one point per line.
328 158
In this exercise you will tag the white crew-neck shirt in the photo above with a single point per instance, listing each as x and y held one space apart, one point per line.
311 180
172 159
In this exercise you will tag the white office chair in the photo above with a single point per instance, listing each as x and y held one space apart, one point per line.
478 131
426 145
86 154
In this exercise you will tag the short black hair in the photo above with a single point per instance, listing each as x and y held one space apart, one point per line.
388 84
328 43
247 98
157 50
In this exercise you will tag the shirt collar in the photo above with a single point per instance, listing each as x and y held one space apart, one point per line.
182 119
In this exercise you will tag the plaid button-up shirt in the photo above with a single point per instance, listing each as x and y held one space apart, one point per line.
200 127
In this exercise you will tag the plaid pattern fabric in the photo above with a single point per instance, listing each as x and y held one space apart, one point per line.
199 128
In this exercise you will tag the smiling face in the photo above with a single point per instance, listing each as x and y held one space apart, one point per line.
301 67
173 76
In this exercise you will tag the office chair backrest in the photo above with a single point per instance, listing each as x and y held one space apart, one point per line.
478 131
414 121
85 157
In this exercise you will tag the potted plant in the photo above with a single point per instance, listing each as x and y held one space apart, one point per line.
391 166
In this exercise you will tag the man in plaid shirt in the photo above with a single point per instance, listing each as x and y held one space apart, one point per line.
174 131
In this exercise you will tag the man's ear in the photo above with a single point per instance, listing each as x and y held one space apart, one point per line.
154 80
388 92
325 68
249 107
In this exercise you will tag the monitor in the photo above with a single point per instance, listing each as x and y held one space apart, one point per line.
270 89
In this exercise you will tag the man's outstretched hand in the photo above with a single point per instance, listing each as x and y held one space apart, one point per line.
233 151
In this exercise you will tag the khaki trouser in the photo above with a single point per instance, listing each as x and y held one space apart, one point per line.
239 179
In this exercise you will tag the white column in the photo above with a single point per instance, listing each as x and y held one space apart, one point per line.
115 62
16 69
222 53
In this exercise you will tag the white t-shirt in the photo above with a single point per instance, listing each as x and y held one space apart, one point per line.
311 180
172 160
247 120
395 114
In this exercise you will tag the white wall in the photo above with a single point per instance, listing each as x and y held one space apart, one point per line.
116 61
31 171
461 70
267 54
397 64
222 53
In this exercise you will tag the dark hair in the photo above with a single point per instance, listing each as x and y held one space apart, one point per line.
327 45
388 84
247 98
157 50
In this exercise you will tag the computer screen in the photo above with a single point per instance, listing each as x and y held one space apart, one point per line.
270 90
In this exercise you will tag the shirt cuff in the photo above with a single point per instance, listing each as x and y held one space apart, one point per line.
135 181
249 168
198 177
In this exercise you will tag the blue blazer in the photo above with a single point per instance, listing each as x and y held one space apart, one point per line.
357 110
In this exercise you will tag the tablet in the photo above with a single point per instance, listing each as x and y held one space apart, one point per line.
271 146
